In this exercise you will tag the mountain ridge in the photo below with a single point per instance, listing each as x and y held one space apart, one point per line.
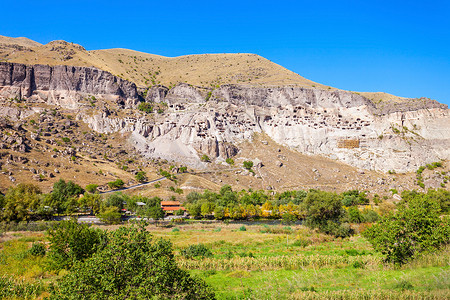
146 69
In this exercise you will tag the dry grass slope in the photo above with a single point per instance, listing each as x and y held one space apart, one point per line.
207 70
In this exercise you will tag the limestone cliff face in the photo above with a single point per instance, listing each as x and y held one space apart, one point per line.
63 85
342 125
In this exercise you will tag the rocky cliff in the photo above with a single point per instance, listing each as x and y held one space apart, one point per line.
62 85
337 124
341 125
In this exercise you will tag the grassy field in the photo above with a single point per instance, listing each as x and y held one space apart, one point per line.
257 261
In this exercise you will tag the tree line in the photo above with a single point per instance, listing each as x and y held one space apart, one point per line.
26 202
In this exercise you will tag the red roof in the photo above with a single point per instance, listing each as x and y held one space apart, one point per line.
173 208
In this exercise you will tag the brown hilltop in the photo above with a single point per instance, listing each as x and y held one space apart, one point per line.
148 69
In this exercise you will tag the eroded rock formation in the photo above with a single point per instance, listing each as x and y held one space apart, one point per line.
62 85
342 125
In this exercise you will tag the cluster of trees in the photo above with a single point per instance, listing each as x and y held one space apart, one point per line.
26 202
121 264
330 212
114 203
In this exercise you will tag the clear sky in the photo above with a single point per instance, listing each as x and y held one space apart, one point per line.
398 47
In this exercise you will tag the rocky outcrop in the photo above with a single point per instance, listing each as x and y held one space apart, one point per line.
63 85
289 97
337 124
156 93
342 125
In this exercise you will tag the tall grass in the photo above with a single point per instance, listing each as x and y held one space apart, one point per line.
286 262
372 294
11 288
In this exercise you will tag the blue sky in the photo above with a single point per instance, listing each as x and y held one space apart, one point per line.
399 47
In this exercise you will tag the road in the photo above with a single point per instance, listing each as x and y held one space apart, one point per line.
134 186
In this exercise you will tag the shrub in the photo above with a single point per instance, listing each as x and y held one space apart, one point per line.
37 249
242 228
141 176
92 188
71 242
301 243
414 229
403 285
230 161
205 158
248 164
145 107
117 184
196 251
131 265
179 212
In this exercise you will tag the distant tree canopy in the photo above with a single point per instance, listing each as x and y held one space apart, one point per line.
131 265
64 196
22 203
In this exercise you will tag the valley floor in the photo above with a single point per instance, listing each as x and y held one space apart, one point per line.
263 261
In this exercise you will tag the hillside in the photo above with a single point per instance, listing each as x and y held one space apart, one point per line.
207 70
65 110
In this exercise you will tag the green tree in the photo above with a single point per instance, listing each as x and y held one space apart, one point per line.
141 176
324 211
116 199
194 209
117 184
91 188
63 198
131 266
110 215
91 201
21 202
219 212
71 242
414 229
155 212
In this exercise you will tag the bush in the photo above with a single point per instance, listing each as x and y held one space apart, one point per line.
117 184
145 107
242 228
131 265
414 229
38 249
403 285
230 161
205 158
179 212
301 243
248 164
141 176
196 251
91 188
71 242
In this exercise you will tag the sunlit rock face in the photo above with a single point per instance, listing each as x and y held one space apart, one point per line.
341 125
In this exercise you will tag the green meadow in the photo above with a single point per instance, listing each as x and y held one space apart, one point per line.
254 261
